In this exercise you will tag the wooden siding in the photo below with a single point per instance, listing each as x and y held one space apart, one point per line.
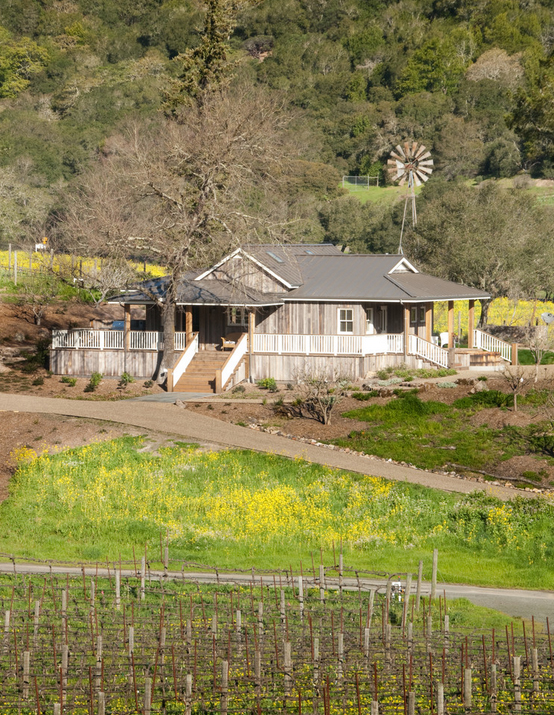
323 318
246 273
287 368
111 363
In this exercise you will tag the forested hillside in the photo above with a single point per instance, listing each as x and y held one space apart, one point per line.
472 79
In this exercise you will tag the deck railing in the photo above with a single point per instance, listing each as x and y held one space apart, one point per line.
182 363
328 344
428 351
490 344
232 362
80 339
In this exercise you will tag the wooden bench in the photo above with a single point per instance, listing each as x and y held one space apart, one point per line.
230 340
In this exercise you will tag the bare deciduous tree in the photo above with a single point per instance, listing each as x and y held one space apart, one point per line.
317 395
187 192
540 341
37 291
517 379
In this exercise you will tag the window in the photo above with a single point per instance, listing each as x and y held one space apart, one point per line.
369 327
346 321
237 316
413 316
275 258
422 314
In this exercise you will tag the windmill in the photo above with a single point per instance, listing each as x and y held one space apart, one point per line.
411 163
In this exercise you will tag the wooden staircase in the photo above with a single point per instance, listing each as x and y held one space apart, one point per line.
200 374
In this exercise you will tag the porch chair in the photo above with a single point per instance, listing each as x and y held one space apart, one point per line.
229 341
443 339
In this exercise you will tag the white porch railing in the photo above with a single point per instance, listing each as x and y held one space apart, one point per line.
146 340
233 361
428 351
490 344
182 363
80 339
328 344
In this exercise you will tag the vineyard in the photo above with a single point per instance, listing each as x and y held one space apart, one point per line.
124 639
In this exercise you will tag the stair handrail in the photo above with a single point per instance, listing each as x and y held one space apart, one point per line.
490 343
428 351
223 375
183 361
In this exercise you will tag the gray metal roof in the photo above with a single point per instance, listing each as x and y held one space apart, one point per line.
366 278
322 273
424 286
283 260
205 292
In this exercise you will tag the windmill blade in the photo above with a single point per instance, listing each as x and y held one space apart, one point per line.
425 169
403 180
400 150
426 162
423 177
413 151
407 149
417 182
398 157
422 149
424 156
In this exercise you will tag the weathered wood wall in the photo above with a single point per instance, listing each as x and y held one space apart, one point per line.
287 368
111 363
244 272
323 318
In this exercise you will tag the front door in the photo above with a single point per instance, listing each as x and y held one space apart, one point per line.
382 319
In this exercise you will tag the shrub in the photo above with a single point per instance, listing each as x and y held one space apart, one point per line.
239 389
71 381
95 380
38 381
363 396
148 384
384 373
487 398
125 380
267 383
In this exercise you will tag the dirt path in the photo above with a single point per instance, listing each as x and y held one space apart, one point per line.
514 602
173 420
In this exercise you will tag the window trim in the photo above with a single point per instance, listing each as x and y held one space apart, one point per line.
345 320
422 314
236 312
369 321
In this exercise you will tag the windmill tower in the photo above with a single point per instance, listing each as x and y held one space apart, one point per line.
412 163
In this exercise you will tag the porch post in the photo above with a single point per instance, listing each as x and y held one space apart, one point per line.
470 323
251 326
406 329
428 321
450 323
188 325
127 325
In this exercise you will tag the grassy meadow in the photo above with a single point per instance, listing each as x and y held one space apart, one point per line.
240 509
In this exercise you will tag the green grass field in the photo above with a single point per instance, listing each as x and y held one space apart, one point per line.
384 195
242 509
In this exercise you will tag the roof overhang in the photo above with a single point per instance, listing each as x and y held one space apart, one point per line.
250 258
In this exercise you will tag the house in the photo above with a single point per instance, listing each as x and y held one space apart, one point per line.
276 311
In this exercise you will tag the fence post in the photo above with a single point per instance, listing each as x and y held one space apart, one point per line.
288 668
406 601
419 580
225 685
467 689
15 267
514 354
143 578
26 673
9 256
434 574
517 683
101 704
147 695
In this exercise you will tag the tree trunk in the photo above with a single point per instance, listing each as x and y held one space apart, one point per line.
485 304
168 322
